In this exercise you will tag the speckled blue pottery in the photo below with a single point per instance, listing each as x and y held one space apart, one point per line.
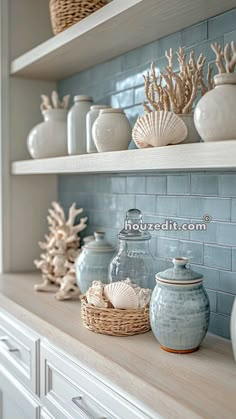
179 308
92 263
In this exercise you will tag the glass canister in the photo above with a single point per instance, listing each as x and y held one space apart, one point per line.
179 308
76 135
92 263
91 117
133 259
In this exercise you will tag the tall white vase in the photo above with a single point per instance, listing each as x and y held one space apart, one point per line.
77 124
214 115
49 138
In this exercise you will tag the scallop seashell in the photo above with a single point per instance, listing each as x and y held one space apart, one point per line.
129 282
144 296
95 297
97 285
158 129
121 295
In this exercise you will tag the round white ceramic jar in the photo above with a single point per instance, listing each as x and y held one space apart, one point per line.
111 130
49 138
214 115
77 124
91 117
233 328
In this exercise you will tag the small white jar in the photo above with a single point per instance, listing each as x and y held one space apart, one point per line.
49 138
77 124
91 117
112 130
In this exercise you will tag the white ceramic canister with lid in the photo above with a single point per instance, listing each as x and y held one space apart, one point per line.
91 117
77 124
112 130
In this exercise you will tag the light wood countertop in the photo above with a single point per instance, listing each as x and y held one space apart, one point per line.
198 385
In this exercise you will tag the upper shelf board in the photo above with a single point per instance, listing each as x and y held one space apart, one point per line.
197 156
120 26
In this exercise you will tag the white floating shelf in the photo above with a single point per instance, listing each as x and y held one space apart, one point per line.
120 26
198 156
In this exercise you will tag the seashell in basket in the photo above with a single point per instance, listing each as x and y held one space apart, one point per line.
95 297
121 295
144 296
97 285
158 129
129 282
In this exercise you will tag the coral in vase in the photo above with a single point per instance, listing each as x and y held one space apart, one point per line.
49 138
60 249
170 98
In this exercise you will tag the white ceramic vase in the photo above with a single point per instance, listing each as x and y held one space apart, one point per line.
214 115
77 124
111 130
233 328
91 117
49 138
192 136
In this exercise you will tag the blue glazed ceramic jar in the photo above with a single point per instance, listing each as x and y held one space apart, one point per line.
179 309
92 263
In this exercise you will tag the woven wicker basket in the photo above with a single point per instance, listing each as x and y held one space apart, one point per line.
114 322
65 13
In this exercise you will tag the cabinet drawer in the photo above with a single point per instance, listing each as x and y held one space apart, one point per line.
19 352
70 391
15 401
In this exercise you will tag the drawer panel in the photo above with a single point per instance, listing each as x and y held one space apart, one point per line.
15 401
19 352
70 391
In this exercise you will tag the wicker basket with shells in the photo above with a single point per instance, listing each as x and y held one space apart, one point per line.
116 309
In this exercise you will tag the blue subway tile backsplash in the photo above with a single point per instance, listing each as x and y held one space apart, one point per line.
218 256
176 196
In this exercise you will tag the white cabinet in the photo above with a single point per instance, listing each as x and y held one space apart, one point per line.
45 414
70 390
19 352
15 401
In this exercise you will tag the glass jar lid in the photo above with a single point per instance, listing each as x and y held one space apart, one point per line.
133 227
179 274
99 244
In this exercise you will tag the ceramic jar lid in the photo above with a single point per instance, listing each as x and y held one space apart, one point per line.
111 110
82 98
99 244
179 274
99 107
132 230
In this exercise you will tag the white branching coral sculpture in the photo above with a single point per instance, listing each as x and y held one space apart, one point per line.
225 58
176 91
61 248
